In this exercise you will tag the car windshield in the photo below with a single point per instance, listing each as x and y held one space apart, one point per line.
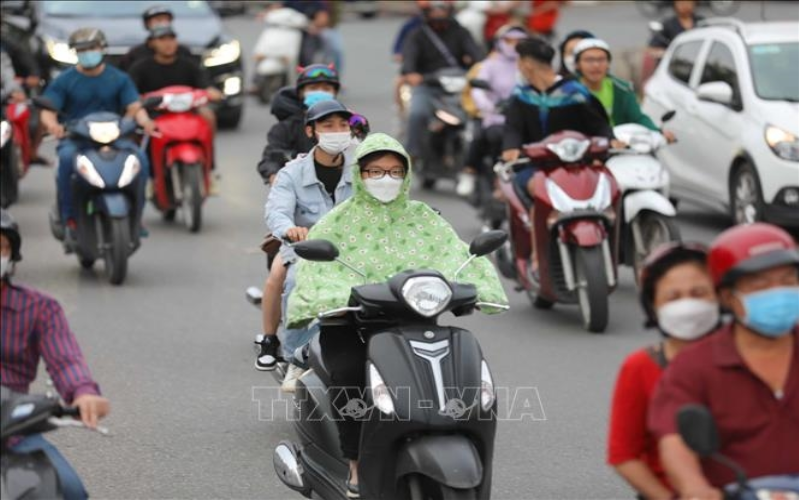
775 70
115 8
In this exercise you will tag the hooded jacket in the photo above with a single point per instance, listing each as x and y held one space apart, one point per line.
382 239
287 138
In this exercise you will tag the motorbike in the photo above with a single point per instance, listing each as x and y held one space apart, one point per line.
30 475
105 190
698 430
429 410
15 150
277 51
574 224
181 154
647 217
444 145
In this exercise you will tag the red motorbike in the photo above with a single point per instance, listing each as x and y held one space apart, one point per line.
573 220
181 154
15 150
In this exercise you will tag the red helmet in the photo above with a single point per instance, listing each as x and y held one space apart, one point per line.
746 249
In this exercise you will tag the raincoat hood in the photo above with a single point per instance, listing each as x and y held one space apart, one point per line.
382 239
286 103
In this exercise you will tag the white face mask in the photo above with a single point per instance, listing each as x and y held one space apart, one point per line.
334 142
385 189
5 266
568 62
689 318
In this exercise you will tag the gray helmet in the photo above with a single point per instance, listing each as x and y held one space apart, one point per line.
325 108
85 38
10 229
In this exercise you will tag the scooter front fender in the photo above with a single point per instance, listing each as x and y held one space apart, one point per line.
450 460
186 153
649 200
114 204
584 233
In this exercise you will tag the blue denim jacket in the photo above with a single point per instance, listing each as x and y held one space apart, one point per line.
299 199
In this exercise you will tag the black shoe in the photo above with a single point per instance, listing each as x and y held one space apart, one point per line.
267 348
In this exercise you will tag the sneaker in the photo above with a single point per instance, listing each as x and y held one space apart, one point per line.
466 182
266 348
293 373
353 492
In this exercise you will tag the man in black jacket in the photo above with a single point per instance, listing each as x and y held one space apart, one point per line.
287 138
154 17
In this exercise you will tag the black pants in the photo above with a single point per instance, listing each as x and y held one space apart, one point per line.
486 142
344 357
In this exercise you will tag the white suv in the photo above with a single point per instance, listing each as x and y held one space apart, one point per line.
735 88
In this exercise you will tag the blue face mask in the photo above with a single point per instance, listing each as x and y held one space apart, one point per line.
313 97
90 59
773 312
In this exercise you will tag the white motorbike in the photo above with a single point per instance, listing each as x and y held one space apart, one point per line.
277 51
648 218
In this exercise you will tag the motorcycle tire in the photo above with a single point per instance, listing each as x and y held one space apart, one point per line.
9 192
192 202
423 488
117 243
655 229
169 215
592 288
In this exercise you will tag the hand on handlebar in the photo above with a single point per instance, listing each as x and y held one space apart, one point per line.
214 94
57 130
297 234
670 137
92 408
414 79
511 155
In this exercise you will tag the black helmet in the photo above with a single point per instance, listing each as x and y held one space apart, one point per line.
10 229
655 266
156 10
323 109
316 73
85 38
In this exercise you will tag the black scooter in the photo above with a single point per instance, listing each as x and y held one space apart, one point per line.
698 430
429 410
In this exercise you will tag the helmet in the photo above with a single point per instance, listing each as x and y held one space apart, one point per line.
512 31
316 73
324 108
746 249
156 10
661 260
591 43
161 31
85 38
10 229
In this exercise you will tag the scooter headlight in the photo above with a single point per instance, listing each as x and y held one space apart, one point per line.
570 149
87 170
428 295
5 133
487 394
448 118
179 102
226 53
129 172
453 85
104 132
381 396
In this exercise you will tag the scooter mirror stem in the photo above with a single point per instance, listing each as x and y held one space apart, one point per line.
339 260
465 264
740 475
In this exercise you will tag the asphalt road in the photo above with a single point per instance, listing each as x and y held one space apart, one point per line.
172 347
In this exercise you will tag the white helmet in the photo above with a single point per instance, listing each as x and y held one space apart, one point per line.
591 43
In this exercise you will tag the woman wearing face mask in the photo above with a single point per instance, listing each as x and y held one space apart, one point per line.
379 231
566 50
304 191
679 299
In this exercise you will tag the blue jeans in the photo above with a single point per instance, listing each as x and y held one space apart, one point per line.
418 117
68 149
70 482
292 339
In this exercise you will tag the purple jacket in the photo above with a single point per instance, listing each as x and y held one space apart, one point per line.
499 71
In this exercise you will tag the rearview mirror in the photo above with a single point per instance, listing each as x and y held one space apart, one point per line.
668 116
698 429
715 92
152 101
478 83
488 242
316 250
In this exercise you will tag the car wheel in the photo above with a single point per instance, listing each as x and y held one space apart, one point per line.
746 196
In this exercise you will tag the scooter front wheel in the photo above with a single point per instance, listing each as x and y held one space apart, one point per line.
424 488
592 288
9 191
191 176
117 249
651 230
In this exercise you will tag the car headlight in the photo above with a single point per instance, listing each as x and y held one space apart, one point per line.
5 133
487 394
104 132
381 397
224 54
784 144
428 296
61 52
131 169
86 169
570 149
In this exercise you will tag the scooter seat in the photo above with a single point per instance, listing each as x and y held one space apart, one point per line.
317 362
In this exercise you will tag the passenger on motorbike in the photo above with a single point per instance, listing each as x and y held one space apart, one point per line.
154 17
684 18
566 51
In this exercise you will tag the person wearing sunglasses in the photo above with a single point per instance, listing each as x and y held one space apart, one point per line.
286 139
678 298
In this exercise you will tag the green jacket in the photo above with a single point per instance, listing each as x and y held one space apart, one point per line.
382 239
625 106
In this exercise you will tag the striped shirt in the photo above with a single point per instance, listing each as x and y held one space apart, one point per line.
34 326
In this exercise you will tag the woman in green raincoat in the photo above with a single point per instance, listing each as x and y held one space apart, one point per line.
381 232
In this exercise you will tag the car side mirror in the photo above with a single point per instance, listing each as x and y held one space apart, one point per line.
698 429
668 116
716 92
316 250
478 83
488 242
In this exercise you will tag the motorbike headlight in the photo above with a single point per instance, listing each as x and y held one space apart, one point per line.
232 86
129 172
179 102
453 85
448 118
487 394
570 149
224 54
61 52
104 132
86 169
5 133
767 494
784 144
381 396
428 296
